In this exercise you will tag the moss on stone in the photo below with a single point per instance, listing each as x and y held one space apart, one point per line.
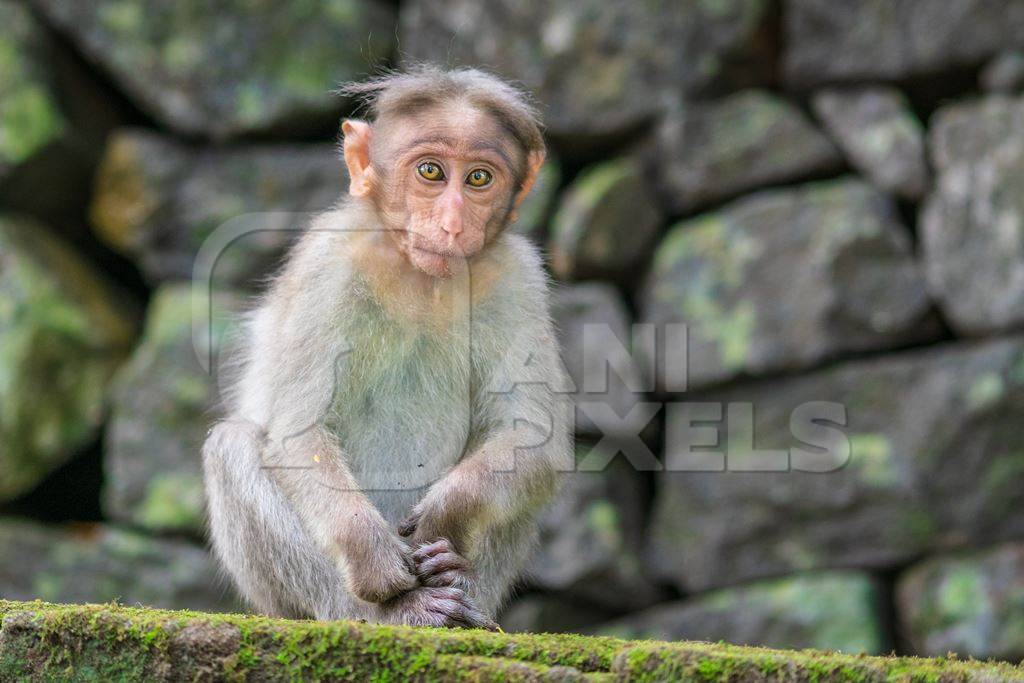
985 391
604 222
171 57
650 661
62 327
30 118
41 641
871 453
172 501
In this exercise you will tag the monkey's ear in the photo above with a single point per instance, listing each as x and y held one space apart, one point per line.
534 160
357 156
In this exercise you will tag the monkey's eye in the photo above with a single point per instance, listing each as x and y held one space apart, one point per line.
430 171
479 178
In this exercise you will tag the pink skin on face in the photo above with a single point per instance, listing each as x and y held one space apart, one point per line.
441 218
447 216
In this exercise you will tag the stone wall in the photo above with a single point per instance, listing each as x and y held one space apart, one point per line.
830 195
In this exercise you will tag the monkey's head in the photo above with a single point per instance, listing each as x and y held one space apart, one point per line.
446 160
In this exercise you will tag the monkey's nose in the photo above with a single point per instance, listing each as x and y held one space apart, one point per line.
452 226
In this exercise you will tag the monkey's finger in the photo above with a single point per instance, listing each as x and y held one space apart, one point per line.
468 613
442 563
452 600
490 625
474 618
447 580
450 612
461 615
454 576
443 593
441 545
408 526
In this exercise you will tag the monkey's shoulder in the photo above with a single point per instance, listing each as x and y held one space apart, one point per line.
524 255
522 280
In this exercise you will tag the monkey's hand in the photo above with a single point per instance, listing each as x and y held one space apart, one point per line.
430 606
438 565
379 567
444 513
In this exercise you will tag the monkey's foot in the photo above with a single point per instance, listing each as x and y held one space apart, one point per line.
441 607
438 565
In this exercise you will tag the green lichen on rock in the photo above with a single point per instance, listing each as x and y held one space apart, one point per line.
159 201
910 482
971 602
40 641
783 279
827 42
161 402
710 151
605 223
825 610
879 134
590 537
593 65
973 213
718 662
99 562
226 69
872 455
60 329
29 115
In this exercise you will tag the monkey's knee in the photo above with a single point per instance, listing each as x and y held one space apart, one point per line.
236 499
232 451
228 436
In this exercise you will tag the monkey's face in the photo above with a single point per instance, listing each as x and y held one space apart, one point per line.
447 185
453 185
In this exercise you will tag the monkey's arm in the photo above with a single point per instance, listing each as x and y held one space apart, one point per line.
311 469
288 386
490 487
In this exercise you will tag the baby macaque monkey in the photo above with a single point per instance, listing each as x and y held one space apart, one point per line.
396 424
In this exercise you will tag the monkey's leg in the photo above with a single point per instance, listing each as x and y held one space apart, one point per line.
263 543
260 539
499 562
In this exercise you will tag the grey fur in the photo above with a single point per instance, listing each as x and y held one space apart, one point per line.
348 416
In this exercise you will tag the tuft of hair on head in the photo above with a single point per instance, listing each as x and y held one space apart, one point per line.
424 86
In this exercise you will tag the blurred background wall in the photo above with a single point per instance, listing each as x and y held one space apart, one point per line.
830 194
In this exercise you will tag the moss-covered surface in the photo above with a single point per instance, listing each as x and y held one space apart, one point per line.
229 68
41 641
30 118
63 332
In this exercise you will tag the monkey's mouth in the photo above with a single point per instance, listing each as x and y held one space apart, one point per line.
443 253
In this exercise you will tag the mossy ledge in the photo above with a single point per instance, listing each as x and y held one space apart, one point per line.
46 642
